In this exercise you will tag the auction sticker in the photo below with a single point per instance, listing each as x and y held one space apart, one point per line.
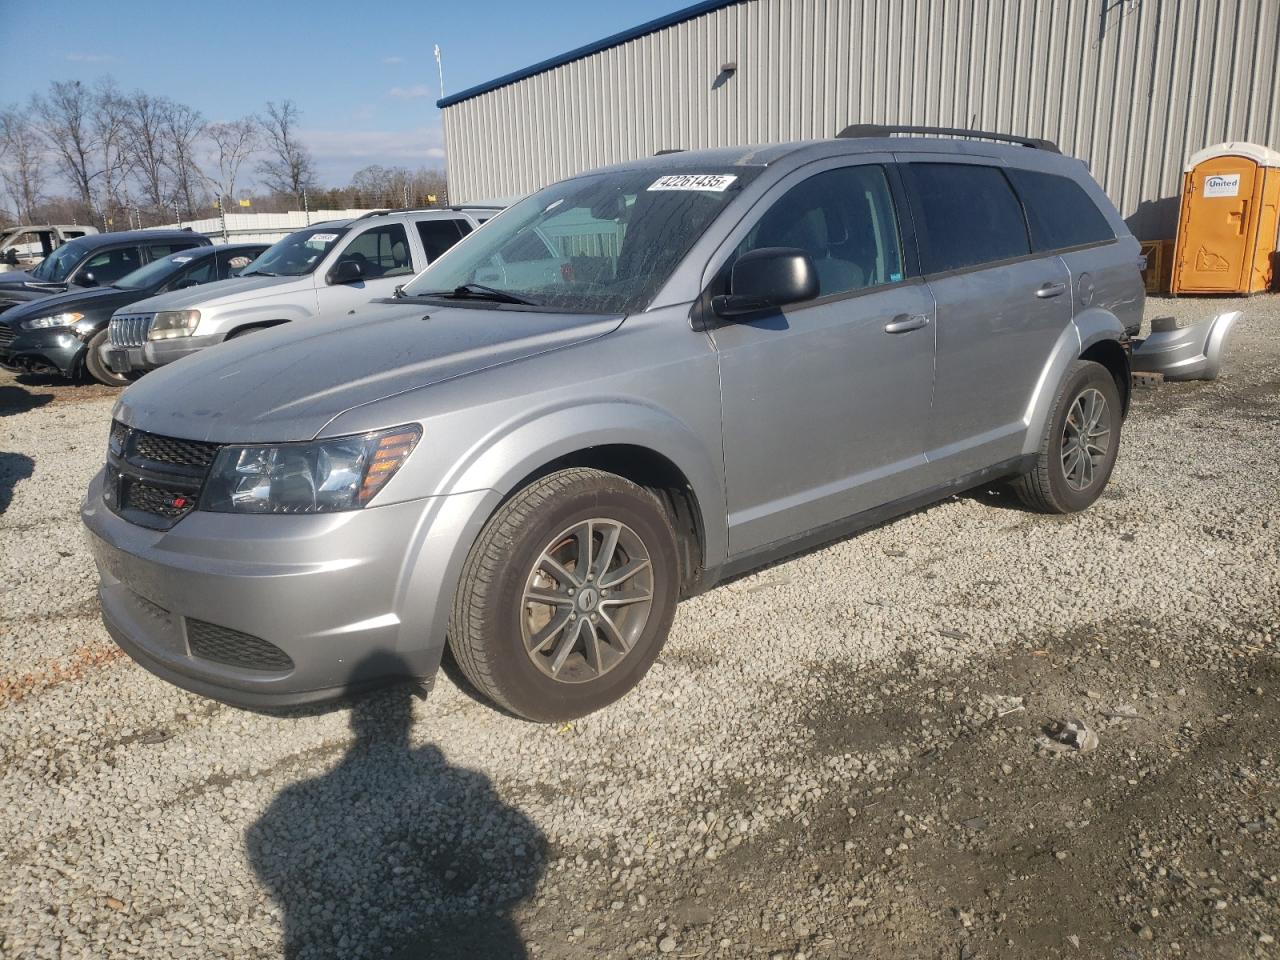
322 238
1222 185
715 182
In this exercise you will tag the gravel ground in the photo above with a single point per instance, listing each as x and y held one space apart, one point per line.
834 757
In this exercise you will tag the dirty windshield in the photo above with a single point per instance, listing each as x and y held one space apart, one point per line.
297 254
603 243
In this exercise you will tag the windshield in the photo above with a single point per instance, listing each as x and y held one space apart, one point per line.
58 265
297 254
603 243
154 273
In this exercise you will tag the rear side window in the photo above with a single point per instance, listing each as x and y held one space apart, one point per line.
966 215
438 236
1059 211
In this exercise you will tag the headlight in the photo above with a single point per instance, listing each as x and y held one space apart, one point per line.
317 477
53 320
173 323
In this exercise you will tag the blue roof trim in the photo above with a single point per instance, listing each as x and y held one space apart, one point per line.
653 26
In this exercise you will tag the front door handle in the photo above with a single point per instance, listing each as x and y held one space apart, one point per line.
905 323
1051 290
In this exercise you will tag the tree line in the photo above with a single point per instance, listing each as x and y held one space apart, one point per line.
94 154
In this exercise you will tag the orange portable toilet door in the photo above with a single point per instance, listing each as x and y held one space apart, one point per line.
1215 243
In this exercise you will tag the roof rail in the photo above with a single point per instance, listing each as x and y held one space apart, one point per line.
668 150
859 131
372 213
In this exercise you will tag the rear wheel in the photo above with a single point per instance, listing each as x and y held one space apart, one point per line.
98 370
567 595
1080 447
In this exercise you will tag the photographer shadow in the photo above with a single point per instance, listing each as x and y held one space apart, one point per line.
395 852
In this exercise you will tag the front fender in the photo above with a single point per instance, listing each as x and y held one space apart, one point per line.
1088 327
270 313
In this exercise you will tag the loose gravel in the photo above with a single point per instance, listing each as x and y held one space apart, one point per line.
834 756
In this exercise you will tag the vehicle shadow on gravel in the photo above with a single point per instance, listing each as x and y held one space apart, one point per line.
15 400
395 852
14 468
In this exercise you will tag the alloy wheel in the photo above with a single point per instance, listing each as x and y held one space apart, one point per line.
1086 439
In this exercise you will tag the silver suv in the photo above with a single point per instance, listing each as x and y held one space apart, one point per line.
745 352
327 269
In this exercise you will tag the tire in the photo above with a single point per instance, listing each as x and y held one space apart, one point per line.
1064 479
99 371
506 643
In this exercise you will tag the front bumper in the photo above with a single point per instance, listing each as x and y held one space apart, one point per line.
44 351
354 598
154 353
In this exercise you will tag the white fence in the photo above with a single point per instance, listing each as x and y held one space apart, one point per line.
250 227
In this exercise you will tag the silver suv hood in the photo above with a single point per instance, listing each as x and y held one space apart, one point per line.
233 290
286 383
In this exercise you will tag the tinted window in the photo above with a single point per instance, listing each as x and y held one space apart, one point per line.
201 272
111 265
438 236
381 252
231 262
155 273
965 215
159 250
844 219
1059 211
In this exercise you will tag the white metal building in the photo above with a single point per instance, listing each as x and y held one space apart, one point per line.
1131 86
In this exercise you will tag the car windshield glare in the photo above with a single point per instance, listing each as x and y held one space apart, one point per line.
154 273
297 254
58 265
603 243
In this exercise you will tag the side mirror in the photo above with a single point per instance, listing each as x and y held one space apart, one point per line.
86 280
767 278
346 271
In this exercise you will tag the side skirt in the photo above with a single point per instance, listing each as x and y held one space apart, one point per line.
840 529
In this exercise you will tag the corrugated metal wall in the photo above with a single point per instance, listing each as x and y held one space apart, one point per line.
1131 86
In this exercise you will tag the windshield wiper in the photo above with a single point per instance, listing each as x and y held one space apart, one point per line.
258 273
478 291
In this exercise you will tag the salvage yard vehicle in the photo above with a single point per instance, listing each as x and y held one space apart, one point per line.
95 260
63 334
25 246
774 346
331 268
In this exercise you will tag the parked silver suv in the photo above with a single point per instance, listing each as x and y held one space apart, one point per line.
324 270
748 351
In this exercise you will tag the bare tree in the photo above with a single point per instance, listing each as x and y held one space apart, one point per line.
111 134
233 143
67 116
148 147
183 127
288 168
22 170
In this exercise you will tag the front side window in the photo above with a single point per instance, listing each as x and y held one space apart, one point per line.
381 252
600 243
1059 211
111 265
966 215
438 236
844 219
297 254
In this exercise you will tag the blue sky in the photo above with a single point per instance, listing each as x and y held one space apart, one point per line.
363 74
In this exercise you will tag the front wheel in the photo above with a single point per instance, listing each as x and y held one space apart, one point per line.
1080 447
98 370
567 595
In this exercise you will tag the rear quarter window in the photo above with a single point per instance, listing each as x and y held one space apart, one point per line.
1059 211
966 215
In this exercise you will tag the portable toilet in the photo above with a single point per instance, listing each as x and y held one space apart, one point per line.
1227 225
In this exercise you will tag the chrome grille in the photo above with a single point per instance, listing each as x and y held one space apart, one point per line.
130 330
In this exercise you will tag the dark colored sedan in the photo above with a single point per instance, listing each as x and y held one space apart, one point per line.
61 334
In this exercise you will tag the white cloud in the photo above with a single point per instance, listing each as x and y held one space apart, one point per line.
90 57
393 60
340 153
408 93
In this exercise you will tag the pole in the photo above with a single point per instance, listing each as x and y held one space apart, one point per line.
222 216
306 206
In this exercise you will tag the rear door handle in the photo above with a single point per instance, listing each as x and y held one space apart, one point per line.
1051 290
905 323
